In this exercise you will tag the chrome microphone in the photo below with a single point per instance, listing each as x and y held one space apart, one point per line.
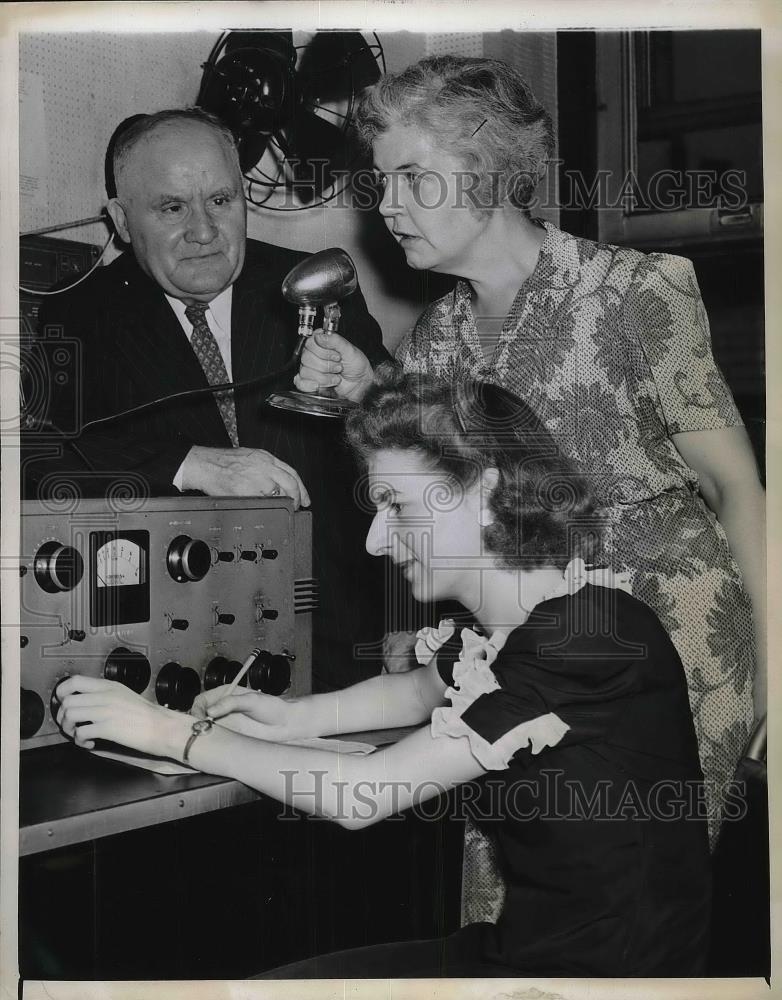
320 280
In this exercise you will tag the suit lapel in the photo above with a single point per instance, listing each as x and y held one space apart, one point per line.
154 351
260 339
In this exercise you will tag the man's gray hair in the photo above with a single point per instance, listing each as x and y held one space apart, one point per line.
142 126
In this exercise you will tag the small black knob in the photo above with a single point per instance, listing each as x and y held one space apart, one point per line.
225 619
270 673
226 556
22 571
180 624
249 555
270 614
77 635
188 559
57 567
269 554
32 712
220 671
177 686
129 668
23 641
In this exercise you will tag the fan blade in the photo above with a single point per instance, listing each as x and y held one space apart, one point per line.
335 65
280 42
317 152
250 88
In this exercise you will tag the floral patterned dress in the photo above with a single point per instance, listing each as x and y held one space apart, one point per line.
611 347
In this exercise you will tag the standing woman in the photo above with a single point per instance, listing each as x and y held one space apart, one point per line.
610 347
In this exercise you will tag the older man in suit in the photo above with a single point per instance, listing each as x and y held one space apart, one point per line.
195 303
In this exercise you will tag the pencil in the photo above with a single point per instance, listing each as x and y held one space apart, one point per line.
245 667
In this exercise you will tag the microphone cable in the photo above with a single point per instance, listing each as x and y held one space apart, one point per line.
36 424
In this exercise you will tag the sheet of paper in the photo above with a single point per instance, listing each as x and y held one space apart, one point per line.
161 765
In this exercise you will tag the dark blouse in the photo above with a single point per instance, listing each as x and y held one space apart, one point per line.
602 842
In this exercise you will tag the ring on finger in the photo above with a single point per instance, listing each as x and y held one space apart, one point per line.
275 492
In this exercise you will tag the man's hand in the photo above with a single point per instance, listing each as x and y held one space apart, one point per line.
241 472
329 360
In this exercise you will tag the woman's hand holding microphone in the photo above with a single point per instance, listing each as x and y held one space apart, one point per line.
330 361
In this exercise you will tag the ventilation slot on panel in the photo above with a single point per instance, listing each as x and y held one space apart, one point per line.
305 595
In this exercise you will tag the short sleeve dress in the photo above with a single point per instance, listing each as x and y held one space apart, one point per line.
593 788
611 347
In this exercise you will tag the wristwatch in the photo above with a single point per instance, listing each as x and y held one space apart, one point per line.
199 726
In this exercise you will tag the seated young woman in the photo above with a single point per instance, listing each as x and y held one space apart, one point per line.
564 711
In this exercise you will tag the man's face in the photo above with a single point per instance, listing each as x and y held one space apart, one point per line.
180 205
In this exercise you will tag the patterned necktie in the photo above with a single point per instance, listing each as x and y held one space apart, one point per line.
211 360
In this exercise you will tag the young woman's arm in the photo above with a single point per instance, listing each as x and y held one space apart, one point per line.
383 702
354 791
730 485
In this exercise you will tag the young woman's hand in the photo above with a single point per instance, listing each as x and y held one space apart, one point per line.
93 708
264 716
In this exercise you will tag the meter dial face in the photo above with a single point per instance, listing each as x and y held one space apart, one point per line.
119 563
119 578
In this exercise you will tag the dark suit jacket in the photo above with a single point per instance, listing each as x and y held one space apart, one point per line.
129 348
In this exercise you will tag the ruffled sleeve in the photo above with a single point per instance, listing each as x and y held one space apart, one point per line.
556 679
473 678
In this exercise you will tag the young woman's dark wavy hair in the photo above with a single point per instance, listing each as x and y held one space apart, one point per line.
543 512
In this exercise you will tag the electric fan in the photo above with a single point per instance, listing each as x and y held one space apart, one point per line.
291 107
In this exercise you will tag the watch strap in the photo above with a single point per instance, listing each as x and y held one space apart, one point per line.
199 726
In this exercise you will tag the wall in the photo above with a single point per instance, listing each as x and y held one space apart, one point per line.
80 85
88 83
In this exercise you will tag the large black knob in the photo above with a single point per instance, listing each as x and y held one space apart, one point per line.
188 559
220 671
57 567
31 713
129 668
270 673
177 686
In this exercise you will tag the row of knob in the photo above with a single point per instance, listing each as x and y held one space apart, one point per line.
175 686
59 567
189 559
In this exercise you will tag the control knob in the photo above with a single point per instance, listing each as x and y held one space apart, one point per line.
220 671
129 668
188 559
31 713
177 686
57 567
271 673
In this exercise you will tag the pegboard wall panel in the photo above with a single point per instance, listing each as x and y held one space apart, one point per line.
87 83
454 43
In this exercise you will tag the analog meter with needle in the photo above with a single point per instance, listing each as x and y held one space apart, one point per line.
119 580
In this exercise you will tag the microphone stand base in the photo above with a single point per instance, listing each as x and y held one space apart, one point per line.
311 403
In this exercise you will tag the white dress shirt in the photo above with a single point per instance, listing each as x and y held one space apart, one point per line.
218 317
